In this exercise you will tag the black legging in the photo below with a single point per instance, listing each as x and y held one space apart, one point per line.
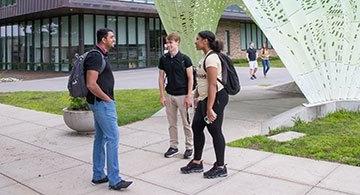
214 128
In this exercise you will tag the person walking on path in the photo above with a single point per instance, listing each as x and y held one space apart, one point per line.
252 59
101 101
265 57
210 109
177 69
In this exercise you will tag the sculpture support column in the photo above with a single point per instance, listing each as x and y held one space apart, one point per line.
318 41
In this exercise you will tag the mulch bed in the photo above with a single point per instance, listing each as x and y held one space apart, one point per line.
30 75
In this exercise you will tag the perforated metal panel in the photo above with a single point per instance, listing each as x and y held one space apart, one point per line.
318 40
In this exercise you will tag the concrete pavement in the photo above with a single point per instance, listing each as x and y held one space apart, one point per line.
40 155
128 79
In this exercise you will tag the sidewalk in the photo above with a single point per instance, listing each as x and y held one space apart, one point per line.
127 79
40 155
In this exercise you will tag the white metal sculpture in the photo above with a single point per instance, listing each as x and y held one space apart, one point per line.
318 40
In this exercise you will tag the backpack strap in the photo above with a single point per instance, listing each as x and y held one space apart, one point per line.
103 65
204 66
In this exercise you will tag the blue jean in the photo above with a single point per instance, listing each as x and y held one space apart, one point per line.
106 133
266 66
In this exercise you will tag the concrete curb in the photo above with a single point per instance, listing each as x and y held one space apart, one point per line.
306 113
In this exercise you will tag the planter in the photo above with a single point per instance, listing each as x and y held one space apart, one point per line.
80 121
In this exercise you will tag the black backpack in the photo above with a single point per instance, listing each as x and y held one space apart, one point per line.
77 83
194 72
230 79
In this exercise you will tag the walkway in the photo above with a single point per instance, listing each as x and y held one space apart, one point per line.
40 155
148 77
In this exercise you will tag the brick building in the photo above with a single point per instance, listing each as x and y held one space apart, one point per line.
46 35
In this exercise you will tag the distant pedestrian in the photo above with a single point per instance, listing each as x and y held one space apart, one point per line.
210 109
252 59
265 57
101 101
177 68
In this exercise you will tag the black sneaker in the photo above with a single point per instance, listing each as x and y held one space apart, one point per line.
121 185
192 168
216 171
187 153
254 77
171 152
100 181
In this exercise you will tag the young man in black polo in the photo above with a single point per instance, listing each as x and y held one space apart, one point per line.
101 101
177 69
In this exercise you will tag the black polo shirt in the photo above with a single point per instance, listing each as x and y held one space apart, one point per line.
175 69
252 54
105 80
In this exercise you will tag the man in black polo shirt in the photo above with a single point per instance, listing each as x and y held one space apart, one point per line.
100 83
177 69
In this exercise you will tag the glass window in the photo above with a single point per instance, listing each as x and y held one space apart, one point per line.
29 46
22 29
248 34
251 33
37 31
89 32
46 42
141 42
122 47
9 45
100 22
259 38
121 36
74 30
132 30
15 47
2 47
54 32
133 56
74 49
64 57
111 23
243 40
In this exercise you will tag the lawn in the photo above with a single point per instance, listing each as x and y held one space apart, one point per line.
274 62
335 138
132 105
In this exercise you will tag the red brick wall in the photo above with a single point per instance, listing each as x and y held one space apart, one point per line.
234 29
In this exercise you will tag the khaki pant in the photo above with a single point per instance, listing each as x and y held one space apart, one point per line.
173 104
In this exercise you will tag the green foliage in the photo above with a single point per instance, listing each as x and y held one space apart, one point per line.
274 62
335 137
78 104
131 105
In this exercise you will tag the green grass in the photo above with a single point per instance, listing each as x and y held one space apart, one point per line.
274 62
132 105
334 138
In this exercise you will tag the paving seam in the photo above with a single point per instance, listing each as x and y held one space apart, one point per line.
332 171
19 182
219 182
291 181
147 131
333 190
